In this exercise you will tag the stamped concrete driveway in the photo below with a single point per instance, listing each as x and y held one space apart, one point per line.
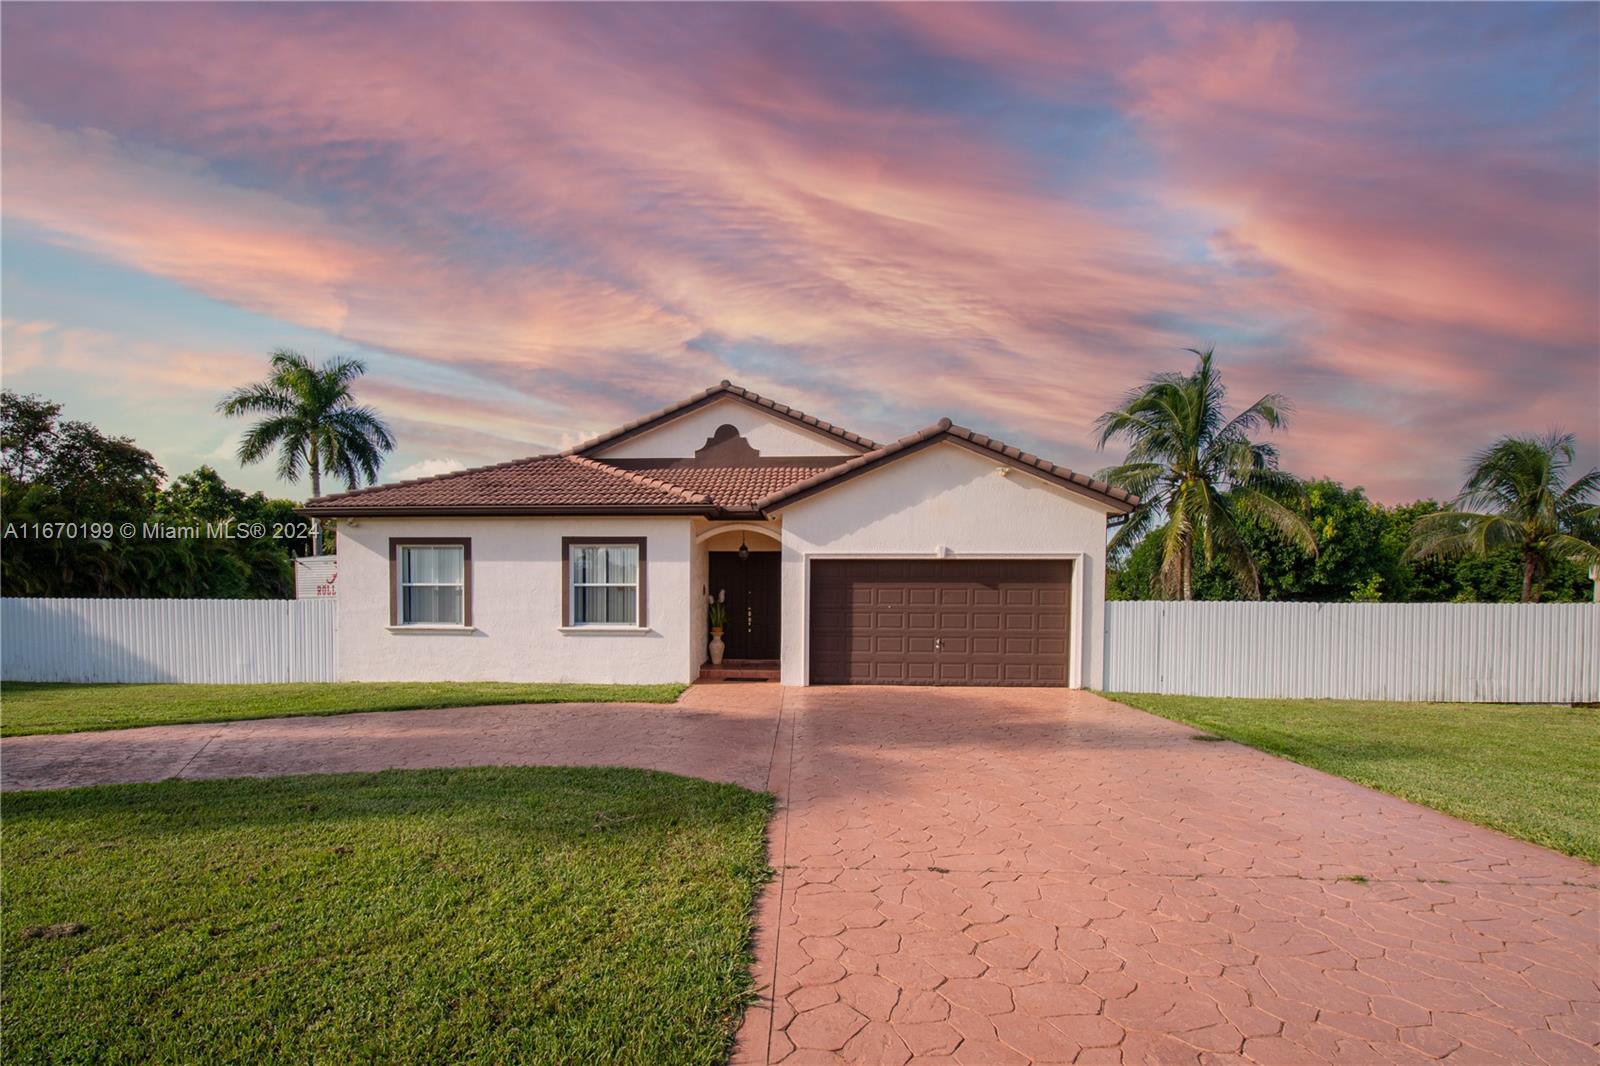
1013 876
1006 876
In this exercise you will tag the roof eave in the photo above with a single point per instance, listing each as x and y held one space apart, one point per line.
482 510
939 433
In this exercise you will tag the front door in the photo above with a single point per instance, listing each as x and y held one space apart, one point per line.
749 588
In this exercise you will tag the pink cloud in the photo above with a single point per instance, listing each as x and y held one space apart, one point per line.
589 213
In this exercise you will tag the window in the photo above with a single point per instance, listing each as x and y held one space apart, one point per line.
605 582
432 582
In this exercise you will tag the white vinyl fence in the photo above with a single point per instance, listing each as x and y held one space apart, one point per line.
212 641
1502 653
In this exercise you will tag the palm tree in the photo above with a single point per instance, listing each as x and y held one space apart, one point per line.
313 422
1517 496
1188 461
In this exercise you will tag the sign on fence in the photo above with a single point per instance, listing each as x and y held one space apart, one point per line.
316 577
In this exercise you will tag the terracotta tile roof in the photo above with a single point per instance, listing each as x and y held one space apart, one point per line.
736 488
717 391
556 483
572 483
944 428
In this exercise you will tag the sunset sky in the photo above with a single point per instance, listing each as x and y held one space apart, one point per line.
536 222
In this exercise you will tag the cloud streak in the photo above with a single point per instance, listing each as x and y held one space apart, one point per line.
1006 213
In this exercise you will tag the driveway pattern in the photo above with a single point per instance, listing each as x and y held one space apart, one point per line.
1013 876
1004 876
702 735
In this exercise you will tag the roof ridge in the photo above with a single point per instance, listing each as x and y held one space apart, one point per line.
431 477
945 427
729 388
639 479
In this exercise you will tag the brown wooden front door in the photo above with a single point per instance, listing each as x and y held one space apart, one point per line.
940 621
751 593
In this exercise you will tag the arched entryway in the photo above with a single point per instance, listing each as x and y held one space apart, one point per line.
744 574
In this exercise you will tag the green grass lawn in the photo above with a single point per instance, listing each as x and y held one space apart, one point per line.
27 708
1526 770
490 915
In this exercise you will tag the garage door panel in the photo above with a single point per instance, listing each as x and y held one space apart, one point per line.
946 622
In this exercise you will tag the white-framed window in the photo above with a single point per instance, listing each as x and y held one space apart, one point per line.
605 582
431 584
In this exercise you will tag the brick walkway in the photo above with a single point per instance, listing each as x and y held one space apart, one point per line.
999 876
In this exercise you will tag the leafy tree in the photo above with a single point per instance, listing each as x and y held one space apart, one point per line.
312 421
29 429
1191 463
1353 565
1348 529
1517 496
202 496
1428 580
67 473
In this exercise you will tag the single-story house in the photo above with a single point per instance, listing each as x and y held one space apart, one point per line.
944 558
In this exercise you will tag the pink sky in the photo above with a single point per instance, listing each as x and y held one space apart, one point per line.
538 221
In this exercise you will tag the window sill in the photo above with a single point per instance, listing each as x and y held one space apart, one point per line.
615 631
432 629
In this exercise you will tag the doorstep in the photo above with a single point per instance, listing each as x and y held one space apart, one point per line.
740 670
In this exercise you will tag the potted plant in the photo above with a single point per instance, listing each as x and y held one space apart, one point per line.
718 615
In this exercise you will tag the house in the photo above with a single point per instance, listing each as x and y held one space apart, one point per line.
946 557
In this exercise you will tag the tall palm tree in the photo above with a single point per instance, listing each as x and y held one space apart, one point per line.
311 419
1517 496
1199 468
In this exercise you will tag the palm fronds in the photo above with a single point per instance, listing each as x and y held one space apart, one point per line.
1517 495
1189 461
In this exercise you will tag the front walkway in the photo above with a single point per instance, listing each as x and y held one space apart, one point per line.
720 733
999 876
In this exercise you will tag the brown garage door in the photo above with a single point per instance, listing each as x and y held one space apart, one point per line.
939 621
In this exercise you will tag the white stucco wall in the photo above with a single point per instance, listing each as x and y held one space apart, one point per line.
768 434
516 632
699 589
947 498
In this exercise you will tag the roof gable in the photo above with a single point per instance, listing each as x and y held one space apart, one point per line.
841 440
1113 499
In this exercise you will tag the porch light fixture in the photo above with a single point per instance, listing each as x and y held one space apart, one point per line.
744 549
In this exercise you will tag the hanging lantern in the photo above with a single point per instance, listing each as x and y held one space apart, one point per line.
744 549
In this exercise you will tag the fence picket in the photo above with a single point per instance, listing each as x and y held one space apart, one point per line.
189 641
1508 653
